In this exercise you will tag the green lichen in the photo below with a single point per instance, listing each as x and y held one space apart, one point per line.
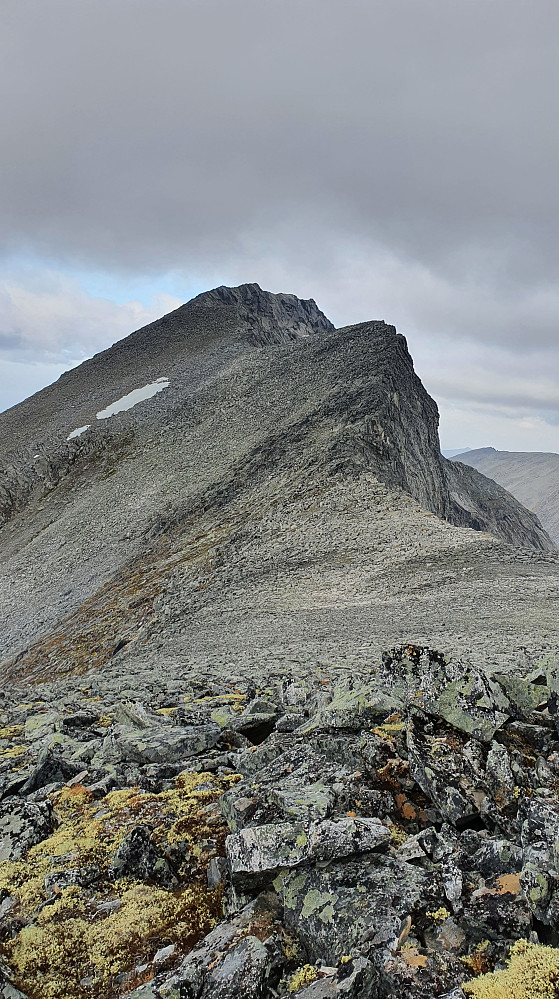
291 888
314 900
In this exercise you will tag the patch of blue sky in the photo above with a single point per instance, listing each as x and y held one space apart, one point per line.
118 287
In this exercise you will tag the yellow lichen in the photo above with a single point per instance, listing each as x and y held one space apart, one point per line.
304 976
104 721
11 732
390 728
398 835
78 936
12 752
532 973
439 915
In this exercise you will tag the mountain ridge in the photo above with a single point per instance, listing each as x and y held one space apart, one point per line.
337 414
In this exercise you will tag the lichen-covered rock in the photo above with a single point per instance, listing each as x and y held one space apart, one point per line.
353 708
355 979
296 783
523 695
244 953
539 830
449 770
340 906
52 767
407 852
22 825
39 726
488 856
264 850
460 694
242 973
137 857
165 745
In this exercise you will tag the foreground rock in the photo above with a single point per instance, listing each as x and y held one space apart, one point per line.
374 841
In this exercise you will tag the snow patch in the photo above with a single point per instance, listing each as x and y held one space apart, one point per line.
75 433
133 398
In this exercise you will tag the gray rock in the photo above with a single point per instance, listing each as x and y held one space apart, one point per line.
264 850
488 856
459 694
39 726
7 990
58 880
539 831
355 980
452 779
51 768
22 825
523 696
353 709
137 857
336 908
165 745
241 974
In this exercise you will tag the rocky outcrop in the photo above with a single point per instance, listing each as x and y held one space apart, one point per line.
479 502
266 318
259 466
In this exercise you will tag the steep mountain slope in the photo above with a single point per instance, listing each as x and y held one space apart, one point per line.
270 500
531 476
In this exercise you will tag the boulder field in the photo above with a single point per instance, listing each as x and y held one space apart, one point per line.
396 837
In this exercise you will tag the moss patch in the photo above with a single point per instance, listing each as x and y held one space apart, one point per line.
532 973
104 930
304 976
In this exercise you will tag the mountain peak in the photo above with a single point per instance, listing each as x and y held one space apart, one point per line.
267 317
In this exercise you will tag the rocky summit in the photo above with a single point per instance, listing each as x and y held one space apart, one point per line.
279 711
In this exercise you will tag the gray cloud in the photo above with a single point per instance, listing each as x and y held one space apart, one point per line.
393 160
144 133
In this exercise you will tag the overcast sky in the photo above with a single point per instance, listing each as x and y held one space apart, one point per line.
393 159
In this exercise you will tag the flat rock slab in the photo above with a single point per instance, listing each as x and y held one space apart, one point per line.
269 848
354 709
166 745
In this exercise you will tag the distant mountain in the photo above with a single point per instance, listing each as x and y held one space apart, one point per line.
531 476
450 452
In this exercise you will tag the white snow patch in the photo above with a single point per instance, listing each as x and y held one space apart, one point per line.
76 433
133 398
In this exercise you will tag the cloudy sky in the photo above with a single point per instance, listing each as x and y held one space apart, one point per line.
393 159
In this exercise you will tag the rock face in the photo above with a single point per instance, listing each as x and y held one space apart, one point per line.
531 476
265 318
